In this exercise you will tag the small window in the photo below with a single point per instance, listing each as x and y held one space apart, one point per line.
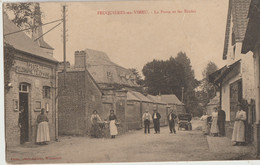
23 88
46 92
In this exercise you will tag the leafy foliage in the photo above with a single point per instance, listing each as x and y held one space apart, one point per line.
9 52
139 79
26 15
207 90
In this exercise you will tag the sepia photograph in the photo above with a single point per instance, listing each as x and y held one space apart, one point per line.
127 81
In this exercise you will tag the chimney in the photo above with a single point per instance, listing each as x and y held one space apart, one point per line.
80 59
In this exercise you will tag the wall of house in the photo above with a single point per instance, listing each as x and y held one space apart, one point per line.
161 108
133 115
93 100
72 104
42 74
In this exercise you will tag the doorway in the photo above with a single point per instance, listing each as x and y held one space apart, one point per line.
23 113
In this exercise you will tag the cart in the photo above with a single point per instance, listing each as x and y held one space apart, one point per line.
184 121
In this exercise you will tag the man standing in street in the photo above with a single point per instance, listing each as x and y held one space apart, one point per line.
221 121
147 117
171 121
156 120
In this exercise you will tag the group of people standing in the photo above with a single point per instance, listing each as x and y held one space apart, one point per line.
95 128
218 119
155 117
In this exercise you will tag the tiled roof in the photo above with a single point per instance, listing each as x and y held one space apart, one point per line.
44 44
141 97
21 41
171 99
156 99
98 63
132 97
238 9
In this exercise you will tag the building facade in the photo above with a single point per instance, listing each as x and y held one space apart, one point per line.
252 43
78 96
236 79
32 85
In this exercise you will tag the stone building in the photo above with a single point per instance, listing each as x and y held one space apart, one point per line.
252 43
32 85
173 102
162 108
79 96
133 112
236 79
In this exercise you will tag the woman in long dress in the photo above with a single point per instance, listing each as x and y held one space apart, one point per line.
205 123
112 124
214 126
95 129
43 135
238 136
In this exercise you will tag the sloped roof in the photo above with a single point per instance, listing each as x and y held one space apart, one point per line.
220 74
171 99
252 32
81 70
20 41
155 99
132 97
44 44
141 97
238 9
99 62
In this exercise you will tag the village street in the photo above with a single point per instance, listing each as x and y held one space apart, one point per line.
130 147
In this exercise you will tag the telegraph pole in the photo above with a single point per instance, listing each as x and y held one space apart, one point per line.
182 90
64 42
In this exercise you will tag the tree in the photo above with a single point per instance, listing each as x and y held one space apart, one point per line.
189 83
139 79
26 15
207 90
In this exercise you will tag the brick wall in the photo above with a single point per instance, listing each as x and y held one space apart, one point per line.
71 105
35 94
133 115
77 100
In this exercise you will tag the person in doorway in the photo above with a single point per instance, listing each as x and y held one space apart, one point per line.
214 125
112 124
147 117
21 124
156 120
95 130
238 136
43 135
171 118
221 121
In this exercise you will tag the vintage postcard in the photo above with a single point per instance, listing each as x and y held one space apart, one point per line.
131 81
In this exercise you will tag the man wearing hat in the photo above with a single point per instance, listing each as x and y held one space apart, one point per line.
171 118
147 117
156 120
238 136
221 121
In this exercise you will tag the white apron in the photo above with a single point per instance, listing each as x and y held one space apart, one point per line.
113 128
43 134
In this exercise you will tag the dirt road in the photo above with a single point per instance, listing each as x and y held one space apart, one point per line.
134 146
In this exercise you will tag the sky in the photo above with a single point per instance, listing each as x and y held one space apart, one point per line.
132 39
